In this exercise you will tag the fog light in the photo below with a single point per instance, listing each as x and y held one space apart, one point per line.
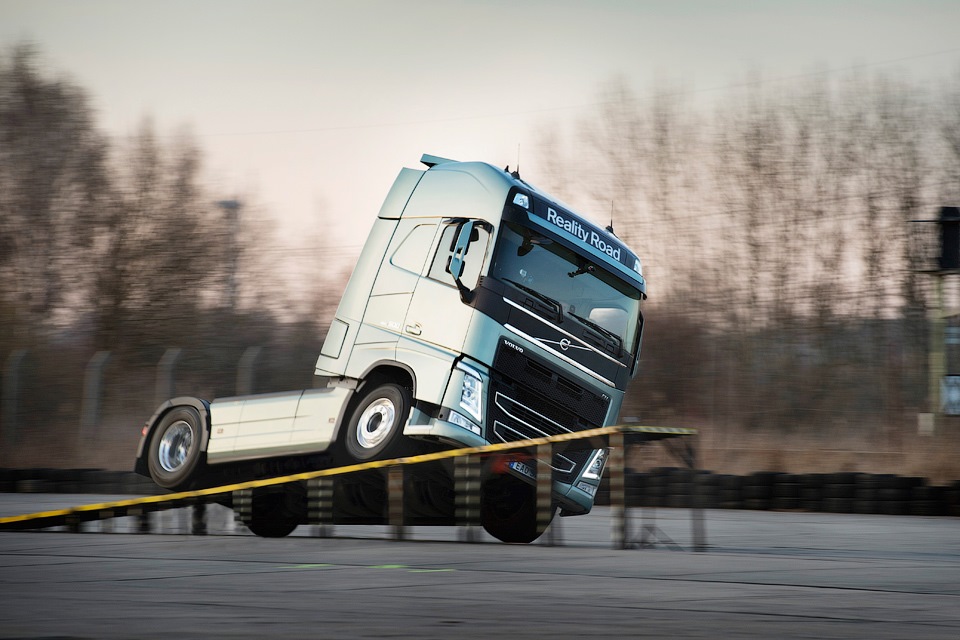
463 422
587 488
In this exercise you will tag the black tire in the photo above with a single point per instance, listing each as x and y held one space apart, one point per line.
276 513
508 510
360 498
174 454
375 428
429 494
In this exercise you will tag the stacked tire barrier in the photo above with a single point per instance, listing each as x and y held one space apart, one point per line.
668 487
98 481
842 492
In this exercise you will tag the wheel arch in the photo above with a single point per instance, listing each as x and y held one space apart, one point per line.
389 371
382 372
202 407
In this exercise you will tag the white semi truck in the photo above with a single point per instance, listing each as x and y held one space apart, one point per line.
480 311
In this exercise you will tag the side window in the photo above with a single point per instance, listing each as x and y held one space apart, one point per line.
413 251
473 258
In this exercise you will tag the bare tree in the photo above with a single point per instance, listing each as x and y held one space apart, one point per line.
161 242
51 182
782 229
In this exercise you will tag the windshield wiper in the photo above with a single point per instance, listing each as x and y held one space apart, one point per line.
543 297
602 330
585 267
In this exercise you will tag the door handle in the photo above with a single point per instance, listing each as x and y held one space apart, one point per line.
414 329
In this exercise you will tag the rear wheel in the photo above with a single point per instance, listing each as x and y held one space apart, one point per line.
174 454
429 494
277 512
360 498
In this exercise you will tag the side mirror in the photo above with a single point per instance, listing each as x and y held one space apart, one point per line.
457 264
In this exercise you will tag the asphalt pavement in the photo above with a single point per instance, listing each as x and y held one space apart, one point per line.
764 575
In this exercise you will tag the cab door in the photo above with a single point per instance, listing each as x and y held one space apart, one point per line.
437 320
390 295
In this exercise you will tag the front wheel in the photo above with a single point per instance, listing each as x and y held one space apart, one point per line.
375 428
174 453
508 510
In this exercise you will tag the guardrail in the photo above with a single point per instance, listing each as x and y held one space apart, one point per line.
467 486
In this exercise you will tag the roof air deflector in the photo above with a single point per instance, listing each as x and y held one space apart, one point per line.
430 160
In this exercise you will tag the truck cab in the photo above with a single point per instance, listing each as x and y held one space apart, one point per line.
510 316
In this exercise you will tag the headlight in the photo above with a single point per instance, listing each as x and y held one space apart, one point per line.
595 466
471 396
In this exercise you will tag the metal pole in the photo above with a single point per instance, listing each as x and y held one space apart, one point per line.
245 370
165 367
698 522
618 498
937 358
232 210
544 493
11 393
92 385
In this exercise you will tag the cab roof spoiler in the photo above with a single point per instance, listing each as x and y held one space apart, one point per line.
431 161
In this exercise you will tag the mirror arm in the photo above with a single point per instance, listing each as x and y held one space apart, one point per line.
466 295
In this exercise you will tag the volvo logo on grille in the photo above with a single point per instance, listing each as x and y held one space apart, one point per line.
513 346
565 344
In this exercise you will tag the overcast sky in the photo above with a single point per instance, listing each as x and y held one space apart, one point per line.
311 108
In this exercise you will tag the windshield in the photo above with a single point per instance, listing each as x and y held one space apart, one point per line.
582 289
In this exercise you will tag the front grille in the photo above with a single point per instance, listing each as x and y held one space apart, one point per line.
528 400
540 378
522 423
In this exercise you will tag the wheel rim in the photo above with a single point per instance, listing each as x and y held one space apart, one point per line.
376 423
175 446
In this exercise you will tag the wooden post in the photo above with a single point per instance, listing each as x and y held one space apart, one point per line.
544 455
467 491
243 506
199 519
395 500
320 505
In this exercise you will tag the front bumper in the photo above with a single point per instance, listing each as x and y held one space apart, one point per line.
571 499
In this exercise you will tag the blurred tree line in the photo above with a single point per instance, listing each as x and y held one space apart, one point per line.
116 245
776 224
774 221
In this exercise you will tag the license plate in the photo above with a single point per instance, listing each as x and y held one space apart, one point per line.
523 469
